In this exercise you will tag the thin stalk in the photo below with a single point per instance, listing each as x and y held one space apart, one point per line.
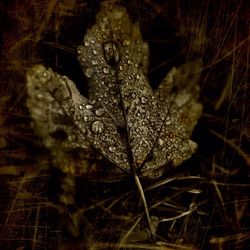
144 201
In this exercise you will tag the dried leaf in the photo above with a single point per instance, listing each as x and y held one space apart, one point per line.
136 129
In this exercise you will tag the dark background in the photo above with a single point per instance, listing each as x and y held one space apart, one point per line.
32 214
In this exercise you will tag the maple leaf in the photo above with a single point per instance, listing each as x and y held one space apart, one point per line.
139 130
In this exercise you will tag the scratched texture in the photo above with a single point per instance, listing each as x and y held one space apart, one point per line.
201 204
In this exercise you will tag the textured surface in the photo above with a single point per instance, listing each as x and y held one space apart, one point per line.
47 32
123 119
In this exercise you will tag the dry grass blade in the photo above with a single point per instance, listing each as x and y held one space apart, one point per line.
62 188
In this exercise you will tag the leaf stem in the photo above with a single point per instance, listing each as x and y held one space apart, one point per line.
144 201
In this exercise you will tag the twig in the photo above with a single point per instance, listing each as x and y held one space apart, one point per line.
231 143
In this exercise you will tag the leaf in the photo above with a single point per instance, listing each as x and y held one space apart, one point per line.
136 129
124 121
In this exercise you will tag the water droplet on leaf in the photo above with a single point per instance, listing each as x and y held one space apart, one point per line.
112 149
89 72
85 118
144 99
45 74
94 62
79 49
168 121
106 70
81 59
88 106
130 62
97 127
160 141
99 112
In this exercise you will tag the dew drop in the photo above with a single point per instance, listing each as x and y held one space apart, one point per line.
160 141
99 112
45 74
133 95
130 62
85 118
79 49
88 106
81 107
86 43
81 59
112 149
95 52
168 121
94 62
89 72
121 68
106 70
144 129
97 127
144 99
